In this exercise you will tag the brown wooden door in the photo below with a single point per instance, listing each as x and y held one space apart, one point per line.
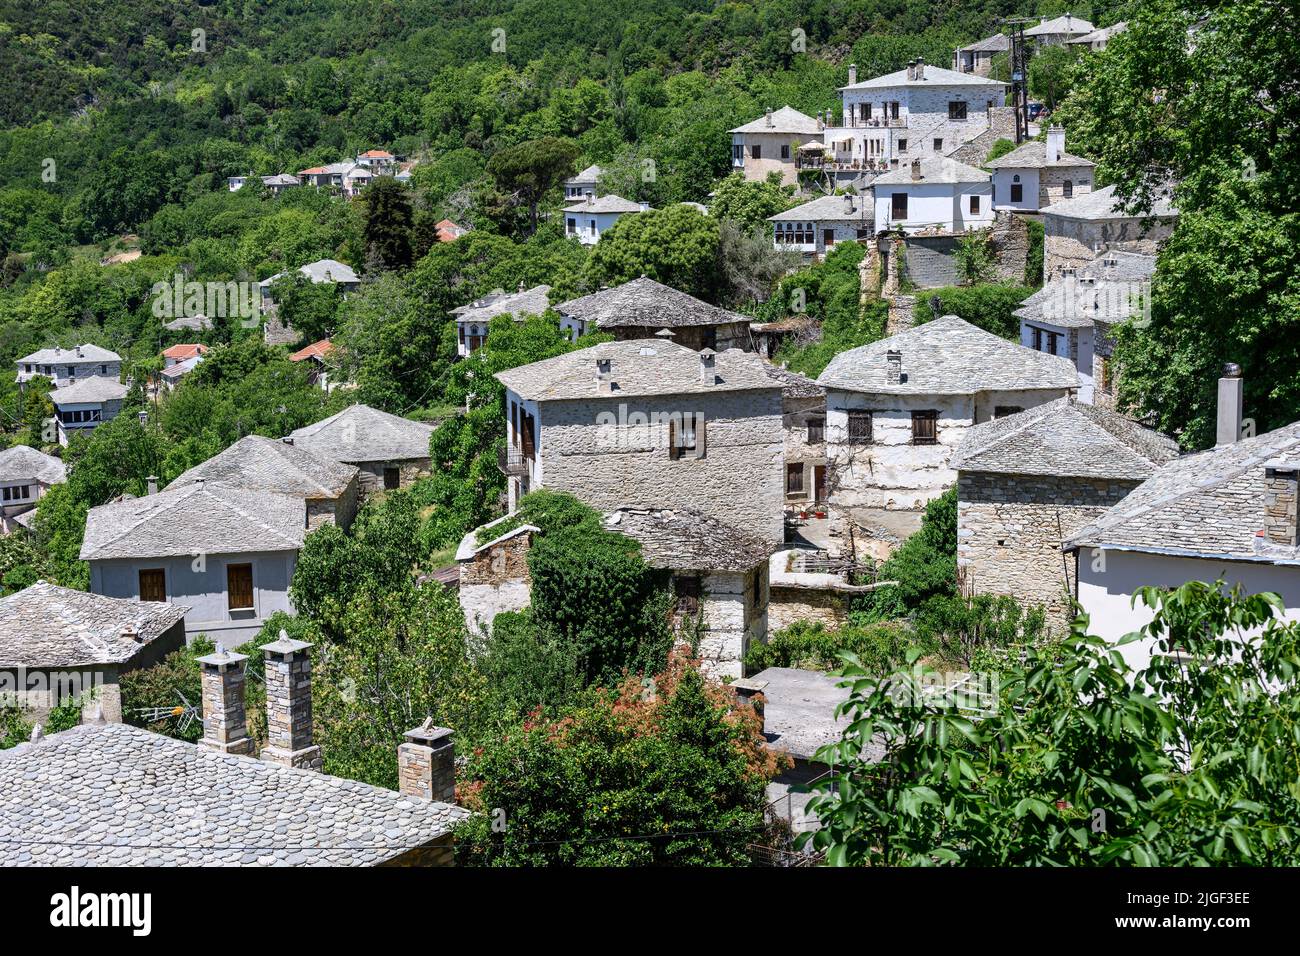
819 482
153 584
239 587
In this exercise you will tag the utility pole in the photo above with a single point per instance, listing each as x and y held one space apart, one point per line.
1019 74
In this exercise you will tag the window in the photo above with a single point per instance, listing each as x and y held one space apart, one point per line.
1105 376
828 237
153 584
902 146
686 437
866 110
103 370
1067 189
392 478
514 424
816 431
794 479
1051 343
893 109
1002 411
687 592
737 154
461 330
756 151
859 428
925 428
956 110
785 152
756 590
17 493
239 587
974 205
1017 192
898 205
1037 338
938 145
572 225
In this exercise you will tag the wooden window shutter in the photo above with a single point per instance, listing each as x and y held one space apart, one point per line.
153 584
239 587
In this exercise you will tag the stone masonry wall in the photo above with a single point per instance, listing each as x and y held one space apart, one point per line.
1010 240
1073 243
931 261
790 604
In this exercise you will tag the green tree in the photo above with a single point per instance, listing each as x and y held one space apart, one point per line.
677 246
527 172
387 231
1051 73
749 203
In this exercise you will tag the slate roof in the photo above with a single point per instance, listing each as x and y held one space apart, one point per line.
607 203
60 356
199 518
267 464
1064 24
329 270
48 626
683 539
1103 291
1066 439
97 388
1105 33
189 323
588 175
280 179
993 44
794 385
948 356
1103 204
933 76
1033 155
182 368
115 795
24 463
830 209
934 169
645 303
784 120
637 367
1209 504
532 301
360 434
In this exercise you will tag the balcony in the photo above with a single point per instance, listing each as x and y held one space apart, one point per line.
513 462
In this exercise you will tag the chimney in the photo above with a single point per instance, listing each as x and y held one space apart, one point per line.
1231 390
1055 143
153 484
225 727
604 383
426 764
750 694
911 69
893 367
1281 518
916 170
288 705
848 203
768 116
920 69
645 206
853 73
708 370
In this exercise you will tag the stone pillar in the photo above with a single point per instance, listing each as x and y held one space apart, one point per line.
288 705
426 764
750 694
225 727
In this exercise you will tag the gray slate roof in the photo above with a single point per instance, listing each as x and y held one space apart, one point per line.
199 518
189 323
1033 155
933 76
934 169
785 120
47 626
1102 204
267 464
1065 439
1064 24
948 356
993 44
683 539
329 270
361 434
799 711
793 384
59 356
115 795
24 463
1107 290
607 203
532 301
637 367
86 391
1209 504
1105 33
831 209
589 175
645 303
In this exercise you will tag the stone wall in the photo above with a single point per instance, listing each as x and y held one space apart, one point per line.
1009 238
1010 529
902 314
789 605
1052 179
1001 124
797 413
1073 243
734 616
496 579
411 469
931 261
339 511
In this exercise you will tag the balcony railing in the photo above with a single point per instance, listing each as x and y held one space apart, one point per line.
511 461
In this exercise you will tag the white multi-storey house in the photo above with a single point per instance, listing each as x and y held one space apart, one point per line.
590 219
933 195
1040 173
64 367
772 144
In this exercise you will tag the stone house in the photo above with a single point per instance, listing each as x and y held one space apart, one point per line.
58 645
591 218
803 421
1097 39
650 423
494 574
64 367
318 356
583 185
322 270
1027 482
473 318
25 475
86 404
1058 31
814 228
770 144
329 489
1038 174
643 308
225 553
1076 230
380 162
897 408
175 354
392 452
977 58
935 195
1075 314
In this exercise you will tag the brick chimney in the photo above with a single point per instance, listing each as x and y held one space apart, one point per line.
288 705
426 764
893 367
853 73
225 724
1055 143
708 369
1281 518
1231 392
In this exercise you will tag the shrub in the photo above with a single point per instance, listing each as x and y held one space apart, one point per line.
880 646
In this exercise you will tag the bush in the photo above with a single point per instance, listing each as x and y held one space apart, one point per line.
880 646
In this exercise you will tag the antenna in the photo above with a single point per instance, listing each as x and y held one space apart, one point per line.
1019 74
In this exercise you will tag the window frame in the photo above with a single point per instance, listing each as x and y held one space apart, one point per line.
919 417
858 416
157 575
240 567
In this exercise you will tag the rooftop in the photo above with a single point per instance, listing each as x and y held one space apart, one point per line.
198 518
1033 155
24 463
1064 24
532 301
934 169
189 323
637 367
931 76
1208 504
315 350
645 303
684 539
793 384
1104 204
267 464
183 351
604 204
1097 36
993 44
799 710
360 434
948 356
97 388
115 795
329 270
784 120
830 209
588 175
81 353
1108 289
48 626
1065 439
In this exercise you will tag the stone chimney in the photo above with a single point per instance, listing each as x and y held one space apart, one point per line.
153 484
1055 143
893 367
920 69
848 203
853 73
288 705
767 116
426 764
916 170
750 694
911 69
604 381
708 369
1231 395
1281 518
225 724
